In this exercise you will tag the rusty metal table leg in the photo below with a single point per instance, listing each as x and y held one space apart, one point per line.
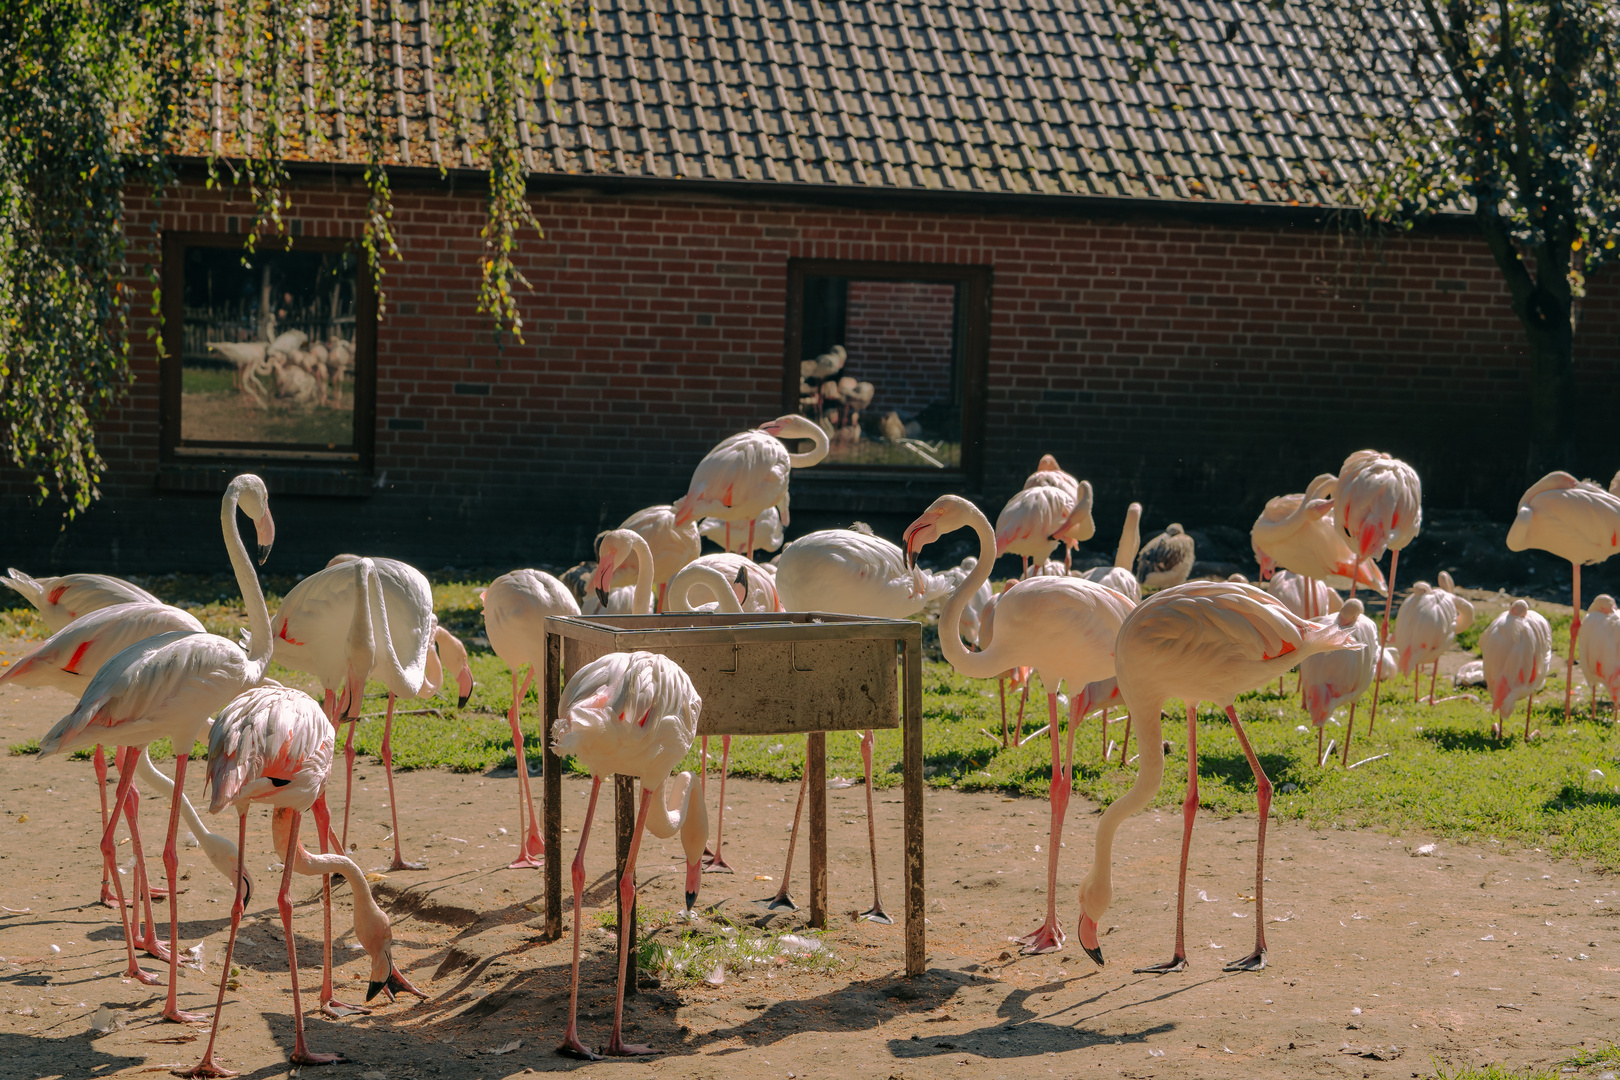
816 766
624 827
912 758
551 780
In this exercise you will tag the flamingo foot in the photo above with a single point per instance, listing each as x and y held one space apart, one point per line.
1174 964
1048 938
144 977
620 1048
876 914
180 1016
307 1058
108 899
151 945
338 1009
779 902
401 864
573 1048
205 1067
716 864
527 862
1255 961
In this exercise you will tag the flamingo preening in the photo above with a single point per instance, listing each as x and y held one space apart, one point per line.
1600 663
1517 652
1331 679
672 545
748 473
1575 520
1201 641
1064 628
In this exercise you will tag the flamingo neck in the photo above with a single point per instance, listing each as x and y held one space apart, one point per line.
985 663
695 574
1130 540
1150 775
379 617
642 602
260 644
816 452
362 645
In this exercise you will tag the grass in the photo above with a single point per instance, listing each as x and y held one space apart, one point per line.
1444 775
1604 1057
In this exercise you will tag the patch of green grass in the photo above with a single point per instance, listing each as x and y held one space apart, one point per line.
1493 1072
1469 639
27 746
1608 1054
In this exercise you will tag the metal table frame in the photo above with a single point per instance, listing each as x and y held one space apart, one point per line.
571 642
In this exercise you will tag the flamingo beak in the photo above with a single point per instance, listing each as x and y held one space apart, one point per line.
266 529
464 687
694 876
1089 940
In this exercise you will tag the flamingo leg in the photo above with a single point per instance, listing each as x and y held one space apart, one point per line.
782 900
348 781
145 933
1049 937
1105 735
1530 701
616 1046
1349 733
1574 636
718 864
399 862
100 764
1125 742
571 1046
530 845
1189 811
1319 744
1256 960
171 870
1005 742
1435 674
1383 639
875 913
662 585
124 757
300 1054
207 1066
330 1005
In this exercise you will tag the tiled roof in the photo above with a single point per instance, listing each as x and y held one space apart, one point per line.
993 97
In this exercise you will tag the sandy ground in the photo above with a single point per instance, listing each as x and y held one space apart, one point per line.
1468 955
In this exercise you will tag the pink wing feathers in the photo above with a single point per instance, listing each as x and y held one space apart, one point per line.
72 656
264 740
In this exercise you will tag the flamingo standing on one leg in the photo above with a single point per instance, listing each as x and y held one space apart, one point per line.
1517 651
1030 524
1600 663
1426 626
273 745
1575 520
168 686
673 546
1064 628
515 609
748 473
852 573
1333 678
766 529
1207 641
631 714
1378 505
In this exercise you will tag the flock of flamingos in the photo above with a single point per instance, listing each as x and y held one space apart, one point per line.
143 670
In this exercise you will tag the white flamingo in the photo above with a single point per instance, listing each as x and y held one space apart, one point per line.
1297 532
1332 679
1426 626
631 714
168 686
1517 652
1119 577
766 530
60 600
748 473
1600 663
1037 519
672 545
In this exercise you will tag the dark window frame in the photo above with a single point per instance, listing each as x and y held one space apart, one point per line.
176 450
973 314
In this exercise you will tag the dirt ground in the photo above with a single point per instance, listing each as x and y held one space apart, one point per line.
1383 962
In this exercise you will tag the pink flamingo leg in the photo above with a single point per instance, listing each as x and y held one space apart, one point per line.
1256 960
571 1046
1189 811
1125 742
1049 937
875 913
1005 740
207 1066
300 1054
124 757
782 900
718 863
1574 635
532 847
99 762
1383 639
145 933
750 538
171 870
616 1046
399 862
330 1005
348 781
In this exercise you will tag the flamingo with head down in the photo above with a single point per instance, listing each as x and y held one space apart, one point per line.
672 546
1331 679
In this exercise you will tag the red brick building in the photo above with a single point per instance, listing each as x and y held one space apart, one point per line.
1157 296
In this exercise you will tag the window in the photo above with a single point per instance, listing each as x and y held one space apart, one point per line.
269 353
889 358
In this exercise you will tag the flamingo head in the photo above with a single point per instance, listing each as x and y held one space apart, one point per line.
1268 566
1088 938
944 515
254 500
1048 464
739 586
1350 612
613 550
1602 604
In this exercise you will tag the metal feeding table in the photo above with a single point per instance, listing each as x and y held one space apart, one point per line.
792 673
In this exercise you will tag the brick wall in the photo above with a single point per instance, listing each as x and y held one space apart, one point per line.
1198 368
899 335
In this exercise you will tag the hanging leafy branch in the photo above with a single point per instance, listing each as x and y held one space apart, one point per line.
1508 110
98 94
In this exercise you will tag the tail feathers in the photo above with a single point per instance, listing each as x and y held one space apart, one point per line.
31 590
1319 638
65 732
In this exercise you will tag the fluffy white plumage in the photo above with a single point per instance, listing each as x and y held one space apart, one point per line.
1340 677
267 734
1378 503
672 545
60 600
747 473
1517 651
1297 532
70 658
628 714
1425 626
515 610
768 533
850 573
1305 597
1600 645
1573 519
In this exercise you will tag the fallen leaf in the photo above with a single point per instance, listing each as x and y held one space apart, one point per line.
507 1049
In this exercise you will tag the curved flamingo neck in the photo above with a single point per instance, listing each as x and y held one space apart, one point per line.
983 664
1149 777
361 644
694 574
260 644
813 455
379 617
1130 539
642 600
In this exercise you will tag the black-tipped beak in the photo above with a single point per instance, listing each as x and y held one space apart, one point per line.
691 901
461 702
264 553
602 595
247 888
376 988
742 576
1095 954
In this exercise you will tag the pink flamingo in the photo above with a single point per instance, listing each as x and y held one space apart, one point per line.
1064 628
1378 505
631 714
273 745
672 545
1426 626
1119 576
748 473
1600 663
1207 641
1297 532
1575 520
1517 653
168 686
1331 679
60 600
515 609
1038 518
851 573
